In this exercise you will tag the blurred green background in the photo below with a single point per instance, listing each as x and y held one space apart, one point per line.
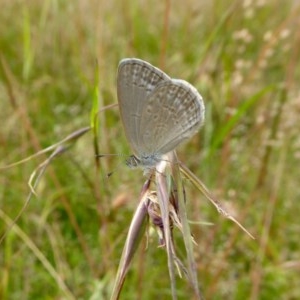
242 56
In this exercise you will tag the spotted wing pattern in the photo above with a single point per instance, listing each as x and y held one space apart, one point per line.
158 112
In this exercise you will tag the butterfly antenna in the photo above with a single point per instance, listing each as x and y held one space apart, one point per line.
103 155
117 167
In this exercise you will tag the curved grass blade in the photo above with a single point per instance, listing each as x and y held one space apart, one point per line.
135 233
39 255
68 141
201 187
58 148
186 232
163 194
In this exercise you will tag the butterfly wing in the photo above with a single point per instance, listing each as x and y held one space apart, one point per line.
173 113
135 81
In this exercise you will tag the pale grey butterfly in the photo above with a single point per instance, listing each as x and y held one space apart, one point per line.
158 112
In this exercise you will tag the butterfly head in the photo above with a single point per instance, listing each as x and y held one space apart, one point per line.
144 161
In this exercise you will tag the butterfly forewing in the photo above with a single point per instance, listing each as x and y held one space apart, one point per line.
136 80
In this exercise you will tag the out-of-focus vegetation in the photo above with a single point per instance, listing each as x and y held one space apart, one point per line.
242 56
